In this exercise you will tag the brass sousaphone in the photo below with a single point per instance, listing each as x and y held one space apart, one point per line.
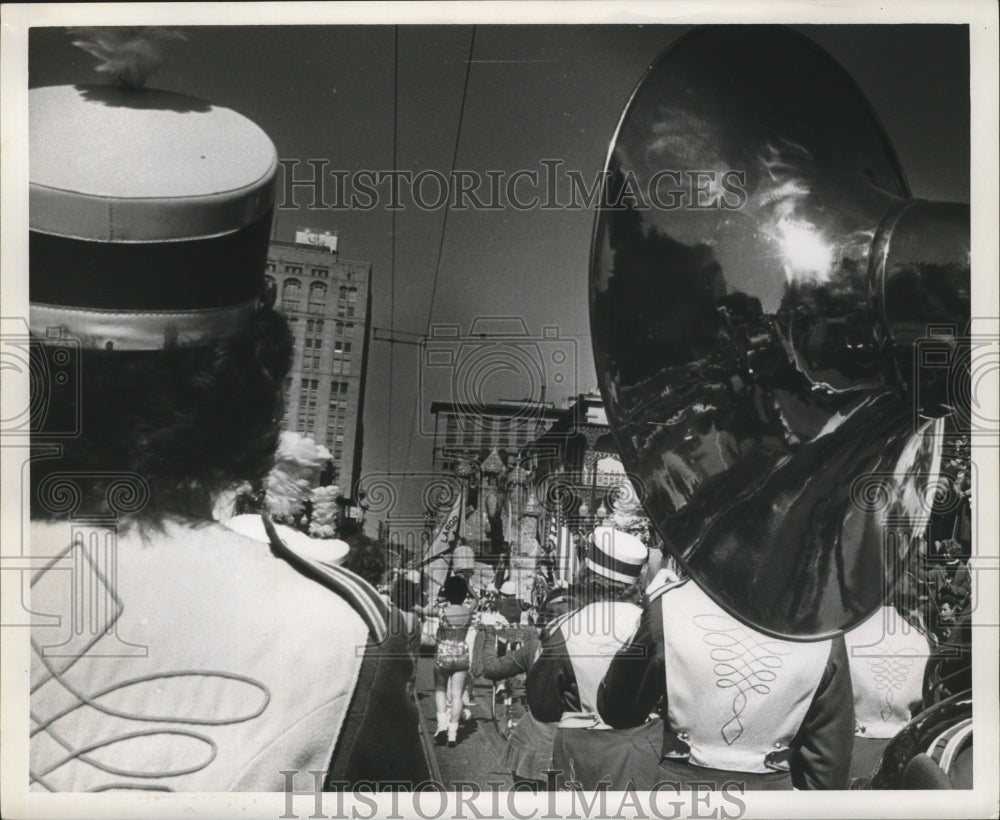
778 328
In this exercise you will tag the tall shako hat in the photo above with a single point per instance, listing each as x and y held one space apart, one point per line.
616 555
150 215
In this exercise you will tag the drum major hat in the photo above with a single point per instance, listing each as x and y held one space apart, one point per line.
150 215
616 555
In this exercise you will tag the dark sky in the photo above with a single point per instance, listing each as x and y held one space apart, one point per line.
534 93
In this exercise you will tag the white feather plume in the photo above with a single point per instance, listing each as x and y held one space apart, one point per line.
130 54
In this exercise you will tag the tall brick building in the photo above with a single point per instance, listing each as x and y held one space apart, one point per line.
327 302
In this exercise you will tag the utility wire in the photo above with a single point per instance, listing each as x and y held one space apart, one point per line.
392 256
444 228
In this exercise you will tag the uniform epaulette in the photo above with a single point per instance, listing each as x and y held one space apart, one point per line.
662 589
362 596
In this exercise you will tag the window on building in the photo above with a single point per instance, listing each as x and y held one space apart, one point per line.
338 396
306 419
290 292
317 297
295 270
349 329
270 267
320 273
314 344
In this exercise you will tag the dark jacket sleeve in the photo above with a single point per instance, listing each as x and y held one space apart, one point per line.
636 682
511 664
380 738
821 751
551 682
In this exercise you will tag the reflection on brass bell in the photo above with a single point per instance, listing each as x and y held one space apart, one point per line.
764 291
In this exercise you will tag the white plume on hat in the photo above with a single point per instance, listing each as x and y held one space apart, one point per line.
130 54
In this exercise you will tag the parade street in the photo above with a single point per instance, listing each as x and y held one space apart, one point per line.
478 756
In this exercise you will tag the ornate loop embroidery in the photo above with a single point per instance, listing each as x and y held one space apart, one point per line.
743 661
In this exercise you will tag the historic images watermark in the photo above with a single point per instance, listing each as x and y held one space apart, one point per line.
84 573
312 184
53 367
468 800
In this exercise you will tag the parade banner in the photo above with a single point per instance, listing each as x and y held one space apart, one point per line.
436 562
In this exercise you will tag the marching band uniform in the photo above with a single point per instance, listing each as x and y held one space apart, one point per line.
182 656
576 649
209 679
888 658
737 704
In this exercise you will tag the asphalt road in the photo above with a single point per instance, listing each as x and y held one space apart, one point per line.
478 754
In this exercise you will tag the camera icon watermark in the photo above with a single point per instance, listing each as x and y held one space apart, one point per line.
497 356
52 366
957 372
412 508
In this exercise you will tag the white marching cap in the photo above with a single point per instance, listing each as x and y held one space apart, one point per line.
463 559
616 554
115 165
150 216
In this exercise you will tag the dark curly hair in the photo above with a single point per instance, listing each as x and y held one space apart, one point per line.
406 594
454 590
365 558
186 422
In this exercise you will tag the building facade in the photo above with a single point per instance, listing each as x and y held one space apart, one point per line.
576 482
327 302
472 433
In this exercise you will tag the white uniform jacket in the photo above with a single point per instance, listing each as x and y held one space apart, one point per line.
888 658
196 659
733 699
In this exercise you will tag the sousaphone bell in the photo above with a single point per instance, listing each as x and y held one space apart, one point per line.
767 300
